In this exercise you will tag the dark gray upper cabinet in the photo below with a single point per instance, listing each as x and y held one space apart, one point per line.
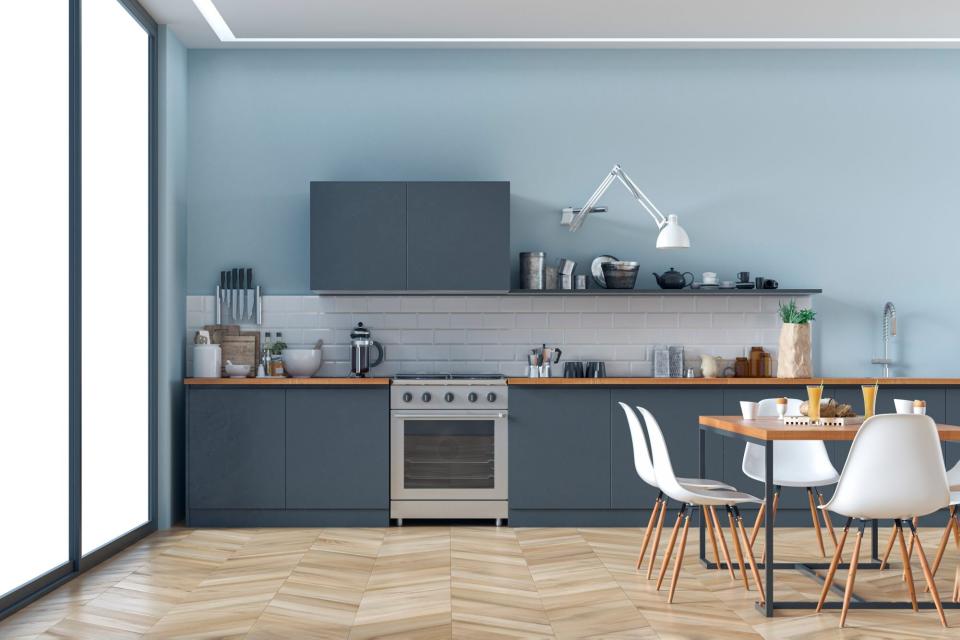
235 455
410 236
559 448
356 236
338 448
458 236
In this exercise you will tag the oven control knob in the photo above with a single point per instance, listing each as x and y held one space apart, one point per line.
491 396
448 397
425 397
472 397
407 397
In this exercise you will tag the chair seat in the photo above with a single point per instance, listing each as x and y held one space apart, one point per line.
719 497
791 480
704 483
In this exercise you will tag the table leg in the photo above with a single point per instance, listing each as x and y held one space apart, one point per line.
703 474
874 541
768 528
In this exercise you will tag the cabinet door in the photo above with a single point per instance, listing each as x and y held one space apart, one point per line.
559 448
338 449
458 236
357 236
677 412
951 454
236 456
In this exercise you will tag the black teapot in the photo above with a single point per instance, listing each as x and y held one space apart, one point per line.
673 279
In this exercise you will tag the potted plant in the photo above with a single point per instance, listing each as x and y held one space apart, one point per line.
794 357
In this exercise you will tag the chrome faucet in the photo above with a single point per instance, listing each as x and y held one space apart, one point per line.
889 330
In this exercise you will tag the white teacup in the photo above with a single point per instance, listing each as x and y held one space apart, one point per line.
709 277
903 406
920 411
751 409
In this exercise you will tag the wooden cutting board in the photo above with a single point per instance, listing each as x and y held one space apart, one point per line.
240 349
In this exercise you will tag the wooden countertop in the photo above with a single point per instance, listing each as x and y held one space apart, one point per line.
772 429
693 382
284 382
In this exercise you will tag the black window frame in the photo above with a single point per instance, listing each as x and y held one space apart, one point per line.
77 562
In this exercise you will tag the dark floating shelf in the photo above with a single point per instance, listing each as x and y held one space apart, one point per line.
665 292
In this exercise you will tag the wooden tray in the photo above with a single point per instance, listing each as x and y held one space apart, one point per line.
823 422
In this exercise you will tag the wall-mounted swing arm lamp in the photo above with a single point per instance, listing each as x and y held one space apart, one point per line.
672 235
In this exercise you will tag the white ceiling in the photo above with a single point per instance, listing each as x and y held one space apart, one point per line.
563 23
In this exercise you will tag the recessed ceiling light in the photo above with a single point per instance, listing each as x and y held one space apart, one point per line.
220 27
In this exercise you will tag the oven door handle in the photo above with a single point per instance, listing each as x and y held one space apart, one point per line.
436 415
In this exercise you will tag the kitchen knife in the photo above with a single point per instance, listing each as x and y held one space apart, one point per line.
223 287
234 281
242 306
250 293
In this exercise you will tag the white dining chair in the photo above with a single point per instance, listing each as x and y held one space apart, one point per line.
644 467
894 471
952 526
796 463
689 496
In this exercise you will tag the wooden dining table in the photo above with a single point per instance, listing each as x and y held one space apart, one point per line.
764 431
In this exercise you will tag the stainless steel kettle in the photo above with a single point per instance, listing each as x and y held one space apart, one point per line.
360 343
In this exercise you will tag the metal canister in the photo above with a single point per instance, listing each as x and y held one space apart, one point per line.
531 269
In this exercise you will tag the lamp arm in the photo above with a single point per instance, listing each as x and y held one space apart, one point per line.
588 206
640 196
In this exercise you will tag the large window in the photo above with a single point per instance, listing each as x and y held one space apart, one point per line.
77 237
34 263
115 291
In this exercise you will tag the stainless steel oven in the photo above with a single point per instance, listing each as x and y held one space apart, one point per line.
448 448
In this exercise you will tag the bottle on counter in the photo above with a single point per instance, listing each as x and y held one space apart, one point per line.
276 359
265 352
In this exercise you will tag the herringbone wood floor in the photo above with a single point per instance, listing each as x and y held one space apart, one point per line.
442 582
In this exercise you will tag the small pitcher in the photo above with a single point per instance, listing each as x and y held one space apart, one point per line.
709 365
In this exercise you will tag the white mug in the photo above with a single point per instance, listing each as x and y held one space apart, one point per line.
749 409
920 411
903 406
709 277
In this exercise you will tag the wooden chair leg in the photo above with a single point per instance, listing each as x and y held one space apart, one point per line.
826 519
828 581
942 547
736 548
749 552
956 530
648 532
776 503
851 576
906 567
679 563
723 542
816 522
890 543
756 523
705 514
670 543
928 576
916 521
656 538
956 584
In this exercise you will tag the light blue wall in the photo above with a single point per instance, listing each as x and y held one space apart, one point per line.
831 169
172 249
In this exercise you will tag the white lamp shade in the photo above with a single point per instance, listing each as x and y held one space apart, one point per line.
672 235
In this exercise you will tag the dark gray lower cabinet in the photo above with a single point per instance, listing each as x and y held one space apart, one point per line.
235 449
559 449
337 449
288 457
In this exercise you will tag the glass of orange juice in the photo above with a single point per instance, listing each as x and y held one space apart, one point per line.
813 405
869 399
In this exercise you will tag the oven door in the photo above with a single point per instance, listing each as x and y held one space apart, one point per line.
437 455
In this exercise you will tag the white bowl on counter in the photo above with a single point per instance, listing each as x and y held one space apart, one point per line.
302 362
237 370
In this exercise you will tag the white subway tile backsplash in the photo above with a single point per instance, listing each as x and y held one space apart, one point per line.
462 334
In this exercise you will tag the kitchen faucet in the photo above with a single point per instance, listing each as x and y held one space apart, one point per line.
889 330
